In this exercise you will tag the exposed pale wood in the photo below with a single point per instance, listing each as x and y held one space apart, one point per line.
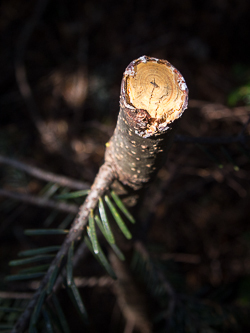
155 87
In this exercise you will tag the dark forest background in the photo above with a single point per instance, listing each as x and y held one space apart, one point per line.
73 54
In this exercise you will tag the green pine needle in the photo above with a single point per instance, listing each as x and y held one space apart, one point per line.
53 277
105 222
92 233
40 232
101 258
41 250
115 248
122 207
47 320
60 314
118 252
69 268
89 244
100 226
19 277
72 195
35 269
8 310
37 310
118 218
77 301
31 260
106 264
48 190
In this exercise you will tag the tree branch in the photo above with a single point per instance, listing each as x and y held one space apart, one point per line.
102 182
45 175
153 95
40 201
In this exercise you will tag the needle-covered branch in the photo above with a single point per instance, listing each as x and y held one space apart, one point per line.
153 96
102 182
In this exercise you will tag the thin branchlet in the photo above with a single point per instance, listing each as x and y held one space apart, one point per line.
102 181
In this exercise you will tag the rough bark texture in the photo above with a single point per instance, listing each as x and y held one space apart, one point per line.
136 151
134 154
142 138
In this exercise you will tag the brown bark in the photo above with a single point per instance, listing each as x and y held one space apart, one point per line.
142 137
153 96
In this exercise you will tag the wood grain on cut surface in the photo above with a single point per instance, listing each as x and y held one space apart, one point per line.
154 87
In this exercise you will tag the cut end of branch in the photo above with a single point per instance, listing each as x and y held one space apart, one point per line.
155 86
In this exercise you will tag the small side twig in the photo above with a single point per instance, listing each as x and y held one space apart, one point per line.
39 201
45 175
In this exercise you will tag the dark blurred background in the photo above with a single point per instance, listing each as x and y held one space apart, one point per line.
61 64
